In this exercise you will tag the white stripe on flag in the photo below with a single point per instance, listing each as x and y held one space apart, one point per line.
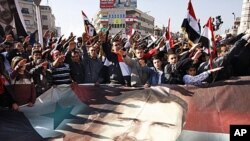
125 69
208 34
193 23
107 62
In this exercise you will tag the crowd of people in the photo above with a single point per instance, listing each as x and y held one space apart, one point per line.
31 68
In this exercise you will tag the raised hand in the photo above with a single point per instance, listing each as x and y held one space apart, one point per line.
215 69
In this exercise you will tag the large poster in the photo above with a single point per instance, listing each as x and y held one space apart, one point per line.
10 18
113 113
118 3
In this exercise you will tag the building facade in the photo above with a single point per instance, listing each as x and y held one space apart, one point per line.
245 16
28 11
48 19
123 15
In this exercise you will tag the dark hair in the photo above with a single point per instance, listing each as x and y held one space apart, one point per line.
2 67
156 57
191 65
2 58
162 96
76 51
36 51
170 52
139 48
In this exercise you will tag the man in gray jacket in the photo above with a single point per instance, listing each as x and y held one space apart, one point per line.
139 69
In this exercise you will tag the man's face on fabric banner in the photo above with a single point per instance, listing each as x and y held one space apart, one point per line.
5 13
143 121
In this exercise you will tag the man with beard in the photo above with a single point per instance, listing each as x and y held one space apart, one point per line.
148 115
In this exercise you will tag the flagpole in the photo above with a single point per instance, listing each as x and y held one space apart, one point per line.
39 21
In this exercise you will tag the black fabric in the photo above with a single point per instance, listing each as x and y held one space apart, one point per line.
14 126
19 26
115 73
192 34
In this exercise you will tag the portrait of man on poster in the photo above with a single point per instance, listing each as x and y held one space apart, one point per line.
148 115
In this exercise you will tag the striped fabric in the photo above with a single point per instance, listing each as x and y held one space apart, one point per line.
61 75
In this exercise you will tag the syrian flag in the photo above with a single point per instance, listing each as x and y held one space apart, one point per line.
168 35
89 28
125 69
191 25
208 41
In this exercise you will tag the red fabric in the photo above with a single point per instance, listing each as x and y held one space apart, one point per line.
215 108
120 59
151 53
3 82
213 54
191 10
24 93
169 36
83 94
1 86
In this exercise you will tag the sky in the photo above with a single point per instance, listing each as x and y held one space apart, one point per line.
68 12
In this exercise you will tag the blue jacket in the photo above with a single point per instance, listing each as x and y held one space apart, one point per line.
155 76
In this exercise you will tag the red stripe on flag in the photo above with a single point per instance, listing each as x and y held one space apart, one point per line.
170 39
215 108
191 10
212 54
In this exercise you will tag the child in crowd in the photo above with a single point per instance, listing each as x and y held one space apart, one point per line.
156 72
197 80
23 87
174 70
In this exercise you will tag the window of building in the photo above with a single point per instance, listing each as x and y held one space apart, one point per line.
44 17
27 22
45 27
115 16
25 10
